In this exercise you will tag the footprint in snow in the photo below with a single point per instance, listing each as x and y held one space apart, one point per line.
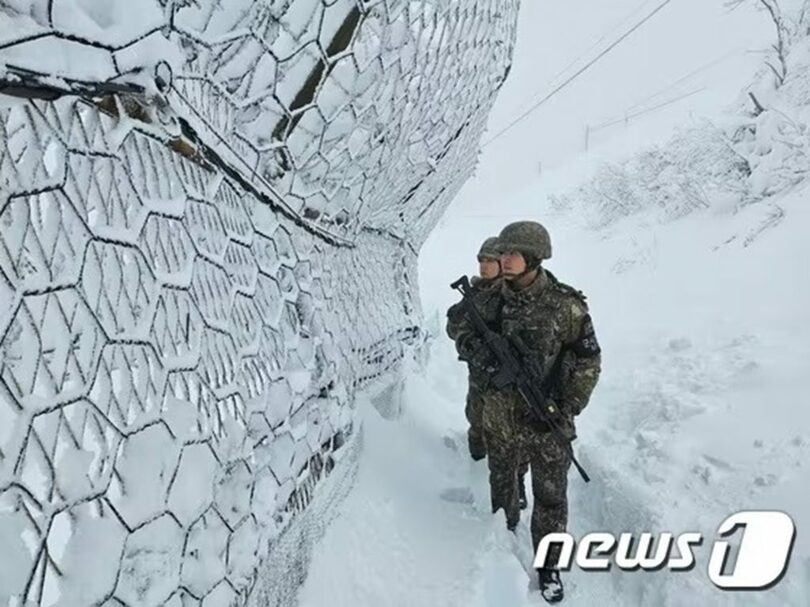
458 495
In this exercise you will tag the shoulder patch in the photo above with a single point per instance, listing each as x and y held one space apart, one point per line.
586 344
571 291
566 289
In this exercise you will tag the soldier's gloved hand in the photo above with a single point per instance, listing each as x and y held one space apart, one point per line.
468 345
500 341
483 359
565 419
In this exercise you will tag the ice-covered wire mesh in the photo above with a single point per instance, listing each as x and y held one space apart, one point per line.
209 220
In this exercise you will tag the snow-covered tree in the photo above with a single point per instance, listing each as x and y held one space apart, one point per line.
791 18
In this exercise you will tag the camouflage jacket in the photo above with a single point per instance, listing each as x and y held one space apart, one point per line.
487 298
549 319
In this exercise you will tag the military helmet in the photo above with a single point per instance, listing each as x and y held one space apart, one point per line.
528 238
489 250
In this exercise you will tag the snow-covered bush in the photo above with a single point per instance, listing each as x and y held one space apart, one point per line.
760 149
696 168
777 148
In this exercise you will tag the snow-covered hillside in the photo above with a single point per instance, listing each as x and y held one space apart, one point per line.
690 47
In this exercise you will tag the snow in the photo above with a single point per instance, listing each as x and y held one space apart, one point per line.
115 22
87 40
60 57
150 568
12 577
689 45
701 408
145 468
699 414
95 542
416 529
205 554
191 491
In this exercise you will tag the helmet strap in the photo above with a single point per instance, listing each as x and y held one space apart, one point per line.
532 263
515 278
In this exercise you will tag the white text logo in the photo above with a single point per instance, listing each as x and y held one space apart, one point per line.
761 558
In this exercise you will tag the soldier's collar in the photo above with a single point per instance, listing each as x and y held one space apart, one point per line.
530 292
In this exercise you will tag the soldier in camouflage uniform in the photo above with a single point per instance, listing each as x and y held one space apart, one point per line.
487 289
487 298
550 324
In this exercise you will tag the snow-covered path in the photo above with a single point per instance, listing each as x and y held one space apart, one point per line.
416 528
374 554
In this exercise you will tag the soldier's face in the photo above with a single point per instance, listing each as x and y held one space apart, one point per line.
512 264
488 268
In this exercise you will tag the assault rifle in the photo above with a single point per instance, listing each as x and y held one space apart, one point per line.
516 372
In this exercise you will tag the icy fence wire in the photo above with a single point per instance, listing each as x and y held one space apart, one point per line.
209 220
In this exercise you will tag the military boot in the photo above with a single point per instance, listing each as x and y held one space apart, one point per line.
550 585
524 503
477 446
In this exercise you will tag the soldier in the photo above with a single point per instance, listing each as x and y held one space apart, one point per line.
487 289
550 324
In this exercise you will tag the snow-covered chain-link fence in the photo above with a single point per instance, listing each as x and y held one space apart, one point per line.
209 220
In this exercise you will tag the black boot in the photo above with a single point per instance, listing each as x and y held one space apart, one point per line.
550 585
510 525
524 503
478 449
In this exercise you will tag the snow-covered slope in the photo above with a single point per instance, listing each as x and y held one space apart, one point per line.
688 46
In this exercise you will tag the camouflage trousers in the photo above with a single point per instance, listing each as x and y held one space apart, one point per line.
511 440
475 416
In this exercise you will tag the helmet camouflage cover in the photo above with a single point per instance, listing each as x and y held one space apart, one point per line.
489 249
526 237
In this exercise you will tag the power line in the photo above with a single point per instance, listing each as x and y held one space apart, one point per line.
688 76
629 114
646 111
577 73
585 52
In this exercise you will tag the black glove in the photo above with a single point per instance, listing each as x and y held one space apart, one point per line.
483 359
467 345
474 351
